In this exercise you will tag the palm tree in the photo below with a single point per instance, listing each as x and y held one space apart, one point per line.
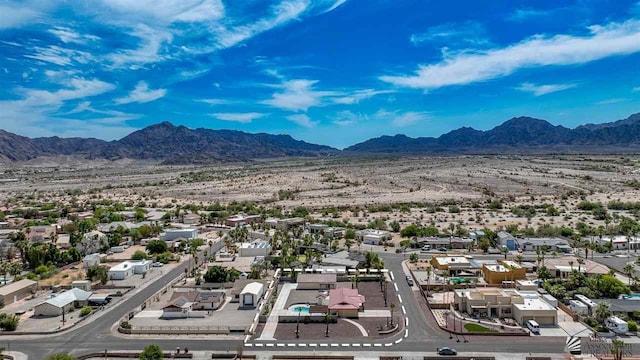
629 270
571 265
505 252
393 306
428 270
603 311
617 347
580 262
519 258
327 319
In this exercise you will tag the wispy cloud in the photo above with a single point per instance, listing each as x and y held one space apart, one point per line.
335 5
142 94
302 120
16 15
60 56
402 119
636 89
67 35
216 101
539 90
238 117
465 68
526 14
611 101
169 11
346 118
359 95
469 33
149 50
298 95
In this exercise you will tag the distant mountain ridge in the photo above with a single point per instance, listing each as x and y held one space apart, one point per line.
164 142
521 134
172 144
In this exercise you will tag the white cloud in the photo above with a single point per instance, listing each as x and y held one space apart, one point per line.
216 101
611 101
298 95
169 11
526 14
335 5
359 95
142 94
402 119
454 34
151 42
465 68
281 13
15 15
67 35
78 88
302 120
60 56
539 90
636 89
238 117
345 118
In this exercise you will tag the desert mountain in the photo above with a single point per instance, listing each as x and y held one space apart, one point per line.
521 134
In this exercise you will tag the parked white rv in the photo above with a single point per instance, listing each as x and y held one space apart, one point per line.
616 325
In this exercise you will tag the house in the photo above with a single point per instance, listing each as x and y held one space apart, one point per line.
192 303
343 258
373 236
17 291
90 260
563 266
454 264
620 242
239 285
326 230
447 242
256 248
506 271
92 242
82 285
552 244
41 233
506 303
63 241
317 281
128 268
115 225
345 302
251 294
241 219
65 302
191 219
286 224
174 234
507 240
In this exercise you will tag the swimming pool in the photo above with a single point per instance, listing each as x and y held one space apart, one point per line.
302 308
631 297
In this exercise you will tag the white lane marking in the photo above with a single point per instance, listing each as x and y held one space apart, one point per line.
395 286
302 345
406 332
270 345
366 345
399 298
389 344
249 345
399 341
246 338
355 345
313 345
345 345
259 345
391 274
377 345
406 322
335 345
291 345
404 311
324 345
280 345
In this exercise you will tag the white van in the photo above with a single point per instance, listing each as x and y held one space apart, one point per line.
425 248
533 327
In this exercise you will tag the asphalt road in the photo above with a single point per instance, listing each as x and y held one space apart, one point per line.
424 335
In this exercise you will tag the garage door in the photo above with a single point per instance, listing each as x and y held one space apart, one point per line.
545 320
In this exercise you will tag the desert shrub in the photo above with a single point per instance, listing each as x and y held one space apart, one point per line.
86 311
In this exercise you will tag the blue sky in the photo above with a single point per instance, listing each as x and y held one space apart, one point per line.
333 72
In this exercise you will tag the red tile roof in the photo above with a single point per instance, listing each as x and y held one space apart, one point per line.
345 299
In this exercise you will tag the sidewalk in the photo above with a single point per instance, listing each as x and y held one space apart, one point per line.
270 326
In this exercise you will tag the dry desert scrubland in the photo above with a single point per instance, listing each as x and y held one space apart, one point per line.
439 191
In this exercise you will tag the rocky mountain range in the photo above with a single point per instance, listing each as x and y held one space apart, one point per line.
517 135
172 144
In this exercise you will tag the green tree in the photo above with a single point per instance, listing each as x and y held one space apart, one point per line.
617 349
139 255
156 247
602 312
395 226
544 273
350 234
629 270
413 258
152 352
97 272
484 244
9 322
60 356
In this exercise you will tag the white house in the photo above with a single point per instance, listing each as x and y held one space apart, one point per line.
251 294
373 236
91 260
173 234
64 302
256 248
128 268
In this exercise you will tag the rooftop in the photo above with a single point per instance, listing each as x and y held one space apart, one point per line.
534 304
16 286
69 296
320 278
345 299
252 288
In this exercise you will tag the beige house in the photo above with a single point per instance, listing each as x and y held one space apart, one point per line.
506 271
317 281
563 266
17 291
506 303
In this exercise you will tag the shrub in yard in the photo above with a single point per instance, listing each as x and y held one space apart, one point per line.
632 325
9 322
85 311
591 322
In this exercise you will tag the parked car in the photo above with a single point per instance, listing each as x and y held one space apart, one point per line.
157 264
443 249
425 248
409 280
446 351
